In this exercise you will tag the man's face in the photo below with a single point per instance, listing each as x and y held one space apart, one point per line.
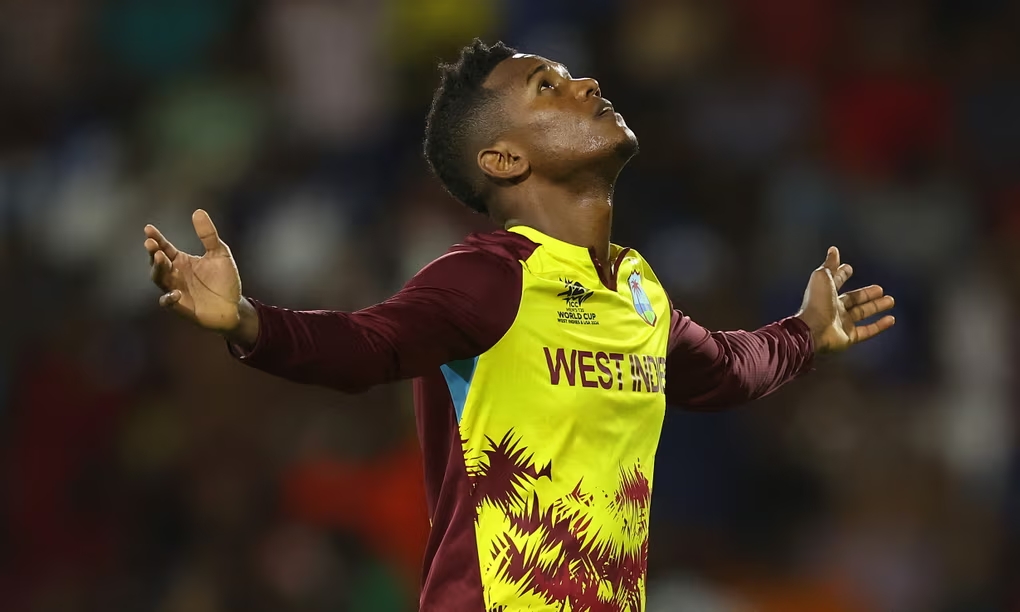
560 123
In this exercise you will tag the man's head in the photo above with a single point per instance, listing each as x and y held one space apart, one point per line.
500 118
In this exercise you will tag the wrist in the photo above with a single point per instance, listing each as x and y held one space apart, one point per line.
816 330
245 334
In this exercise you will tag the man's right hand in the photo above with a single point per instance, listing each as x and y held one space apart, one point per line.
205 290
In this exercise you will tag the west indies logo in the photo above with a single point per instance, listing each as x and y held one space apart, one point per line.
642 304
575 294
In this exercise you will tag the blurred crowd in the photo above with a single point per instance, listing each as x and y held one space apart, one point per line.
141 469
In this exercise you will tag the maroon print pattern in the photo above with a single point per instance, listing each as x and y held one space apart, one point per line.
583 562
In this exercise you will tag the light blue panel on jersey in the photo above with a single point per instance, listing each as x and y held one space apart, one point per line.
458 376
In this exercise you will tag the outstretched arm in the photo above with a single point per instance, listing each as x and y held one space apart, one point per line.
719 369
455 308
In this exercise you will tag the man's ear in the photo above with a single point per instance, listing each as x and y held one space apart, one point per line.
503 162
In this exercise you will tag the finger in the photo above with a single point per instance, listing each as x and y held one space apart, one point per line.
164 244
867 332
207 232
872 308
161 270
169 299
151 246
842 275
860 296
832 259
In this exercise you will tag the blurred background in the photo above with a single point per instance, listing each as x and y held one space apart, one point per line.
141 469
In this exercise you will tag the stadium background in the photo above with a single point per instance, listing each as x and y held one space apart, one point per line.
142 470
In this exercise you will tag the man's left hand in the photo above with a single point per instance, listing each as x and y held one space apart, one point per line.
834 318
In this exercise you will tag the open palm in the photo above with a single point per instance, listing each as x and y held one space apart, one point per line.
205 290
834 317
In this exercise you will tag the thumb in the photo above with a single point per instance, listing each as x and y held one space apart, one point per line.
832 259
207 232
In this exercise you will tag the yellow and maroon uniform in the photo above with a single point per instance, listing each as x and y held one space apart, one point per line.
540 391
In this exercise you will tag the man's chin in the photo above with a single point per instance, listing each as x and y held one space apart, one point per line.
628 146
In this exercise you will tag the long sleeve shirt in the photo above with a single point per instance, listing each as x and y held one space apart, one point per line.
539 391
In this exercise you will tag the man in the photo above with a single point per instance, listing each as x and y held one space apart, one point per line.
540 352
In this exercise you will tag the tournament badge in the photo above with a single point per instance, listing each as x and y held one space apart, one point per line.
642 304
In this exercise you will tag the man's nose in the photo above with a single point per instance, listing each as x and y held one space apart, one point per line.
587 88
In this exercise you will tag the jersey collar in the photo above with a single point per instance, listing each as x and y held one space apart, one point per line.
578 254
563 249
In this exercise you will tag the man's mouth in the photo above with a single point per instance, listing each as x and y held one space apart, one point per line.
606 108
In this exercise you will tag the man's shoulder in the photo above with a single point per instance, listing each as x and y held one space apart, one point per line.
481 256
501 244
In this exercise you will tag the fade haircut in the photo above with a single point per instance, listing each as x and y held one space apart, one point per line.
459 110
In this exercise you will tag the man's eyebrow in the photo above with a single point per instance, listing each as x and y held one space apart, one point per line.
539 68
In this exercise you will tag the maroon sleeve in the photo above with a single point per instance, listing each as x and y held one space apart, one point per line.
455 308
720 369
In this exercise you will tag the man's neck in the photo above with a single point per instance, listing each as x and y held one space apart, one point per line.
583 219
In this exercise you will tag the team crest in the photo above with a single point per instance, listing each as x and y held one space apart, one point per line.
642 304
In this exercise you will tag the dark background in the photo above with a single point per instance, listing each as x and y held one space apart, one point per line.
141 469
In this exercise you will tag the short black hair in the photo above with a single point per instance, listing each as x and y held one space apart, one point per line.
457 111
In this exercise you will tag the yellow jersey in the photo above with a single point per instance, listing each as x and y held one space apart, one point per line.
541 383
